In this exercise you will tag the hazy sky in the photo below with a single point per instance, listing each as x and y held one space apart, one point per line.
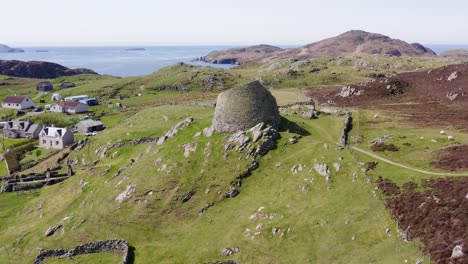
127 22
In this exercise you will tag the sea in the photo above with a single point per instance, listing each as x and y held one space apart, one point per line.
133 61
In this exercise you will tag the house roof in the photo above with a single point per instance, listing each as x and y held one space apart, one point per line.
14 99
77 97
68 103
45 84
89 123
53 131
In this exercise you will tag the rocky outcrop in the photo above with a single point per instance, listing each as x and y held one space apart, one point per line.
244 107
7 49
38 69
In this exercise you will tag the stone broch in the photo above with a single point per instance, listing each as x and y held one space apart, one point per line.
245 106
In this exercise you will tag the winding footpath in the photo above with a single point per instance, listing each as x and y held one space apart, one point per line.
402 165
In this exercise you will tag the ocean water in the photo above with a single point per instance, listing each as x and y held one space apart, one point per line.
119 61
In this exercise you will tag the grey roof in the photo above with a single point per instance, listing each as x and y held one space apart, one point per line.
89 123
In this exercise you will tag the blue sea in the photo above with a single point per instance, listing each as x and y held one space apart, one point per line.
119 61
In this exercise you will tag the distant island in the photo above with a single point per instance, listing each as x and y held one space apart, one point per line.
42 50
351 43
38 69
135 49
7 49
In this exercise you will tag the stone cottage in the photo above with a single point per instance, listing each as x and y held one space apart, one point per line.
17 102
44 87
55 137
21 129
67 85
245 106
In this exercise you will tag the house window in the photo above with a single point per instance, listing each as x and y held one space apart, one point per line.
43 141
56 142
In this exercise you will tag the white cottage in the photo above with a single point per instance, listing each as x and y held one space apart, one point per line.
69 107
17 102
55 137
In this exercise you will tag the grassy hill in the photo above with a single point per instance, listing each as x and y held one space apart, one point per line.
319 222
278 217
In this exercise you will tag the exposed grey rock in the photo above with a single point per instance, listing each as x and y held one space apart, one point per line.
229 251
453 96
161 140
51 230
348 91
231 193
208 132
322 169
126 193
189 147
348 125
256 136
337 166
381 139
457 252
293 140
245 106
453 76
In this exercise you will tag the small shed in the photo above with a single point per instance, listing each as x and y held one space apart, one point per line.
44 87
67 85
89 125
89 101
56 97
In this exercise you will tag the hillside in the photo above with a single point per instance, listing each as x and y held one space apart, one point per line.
435 96
38 69
457 53
239 55
173 200
351 43
7 49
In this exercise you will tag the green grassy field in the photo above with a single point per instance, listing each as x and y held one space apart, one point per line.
342 221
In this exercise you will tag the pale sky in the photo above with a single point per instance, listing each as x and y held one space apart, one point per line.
186 22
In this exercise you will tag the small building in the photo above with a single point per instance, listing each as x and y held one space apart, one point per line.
17 102
44 87
76 98
21 129
55 137
70 107
89 101
89 125
56 97
67 85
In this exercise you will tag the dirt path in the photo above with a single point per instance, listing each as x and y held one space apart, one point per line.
404 166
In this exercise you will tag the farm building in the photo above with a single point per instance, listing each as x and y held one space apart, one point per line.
89 101
76 98
89 125
69 107
56 97
55 137
44 87
67 85
17 102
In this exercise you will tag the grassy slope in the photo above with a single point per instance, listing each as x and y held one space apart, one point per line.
164 230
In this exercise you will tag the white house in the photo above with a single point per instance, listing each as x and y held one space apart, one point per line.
69 107
55 137
17 102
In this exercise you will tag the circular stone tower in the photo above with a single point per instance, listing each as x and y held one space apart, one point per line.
245 106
